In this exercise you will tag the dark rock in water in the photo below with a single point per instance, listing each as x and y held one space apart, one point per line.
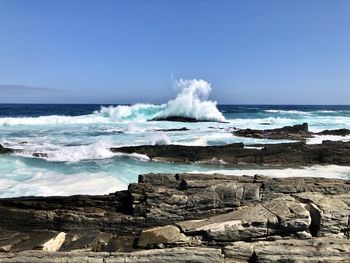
329 152
182 119
296 132
177 118
171 130
339 132
184 218
4 150
40 155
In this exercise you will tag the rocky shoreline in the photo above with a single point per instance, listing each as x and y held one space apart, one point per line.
184 218
195 217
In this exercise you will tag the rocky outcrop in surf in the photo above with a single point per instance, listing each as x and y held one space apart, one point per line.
177 119
283 154
296 132
4 150
183 218
173 129
338 132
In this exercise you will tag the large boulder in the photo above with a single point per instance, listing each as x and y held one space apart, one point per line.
161 235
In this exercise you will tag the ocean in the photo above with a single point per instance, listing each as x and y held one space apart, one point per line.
76 139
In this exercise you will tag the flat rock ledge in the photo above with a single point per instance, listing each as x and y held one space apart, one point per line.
281 154
299 132
184 218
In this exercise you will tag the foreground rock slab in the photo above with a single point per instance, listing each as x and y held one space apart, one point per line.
184 218
185 255
312 250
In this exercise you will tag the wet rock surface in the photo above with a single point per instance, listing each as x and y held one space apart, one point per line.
177 119
184 218
282 154
298 132
4 150
173 129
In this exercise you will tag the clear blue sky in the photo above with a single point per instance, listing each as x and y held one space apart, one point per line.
271 51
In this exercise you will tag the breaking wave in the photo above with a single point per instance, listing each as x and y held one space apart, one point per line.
159 139
95 151
191 102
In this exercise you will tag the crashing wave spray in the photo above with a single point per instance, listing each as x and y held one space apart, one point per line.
192 102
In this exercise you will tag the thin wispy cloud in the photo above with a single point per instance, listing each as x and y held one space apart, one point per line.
12 93
8 88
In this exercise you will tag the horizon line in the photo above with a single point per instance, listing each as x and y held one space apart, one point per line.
128 104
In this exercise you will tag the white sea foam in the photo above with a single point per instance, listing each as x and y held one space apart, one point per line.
136 156
98 150
328 171
274 122
94 151
331 111
288 112
46 183
53 120
317 139
133 128
159 139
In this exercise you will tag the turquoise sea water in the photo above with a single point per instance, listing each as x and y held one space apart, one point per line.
77 139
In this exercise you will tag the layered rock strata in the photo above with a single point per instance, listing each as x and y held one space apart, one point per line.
184 218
